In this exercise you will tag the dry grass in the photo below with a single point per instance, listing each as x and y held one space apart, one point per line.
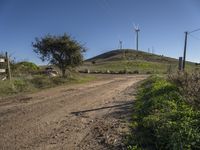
189 86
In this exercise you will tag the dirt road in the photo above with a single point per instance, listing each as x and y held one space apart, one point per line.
87 116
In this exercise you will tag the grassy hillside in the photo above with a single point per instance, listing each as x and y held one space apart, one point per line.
132 61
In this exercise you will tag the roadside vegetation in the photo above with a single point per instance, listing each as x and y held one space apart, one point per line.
27 77
166 113
34 83
62 52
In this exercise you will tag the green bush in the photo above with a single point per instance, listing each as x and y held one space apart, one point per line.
24 68
42 81
6 88
149 72
162 119
136 72
15 86
22 85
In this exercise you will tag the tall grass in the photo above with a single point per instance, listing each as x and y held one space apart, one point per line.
37 82
189 86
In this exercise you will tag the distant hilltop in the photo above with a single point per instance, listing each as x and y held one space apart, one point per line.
131 54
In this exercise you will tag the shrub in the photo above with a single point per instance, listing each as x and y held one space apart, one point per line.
189 86
41 81
125 71
15 86
162 119
136 72
149 72
6 88
24 68
22 85
59 80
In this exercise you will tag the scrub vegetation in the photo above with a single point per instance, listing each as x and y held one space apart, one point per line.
166 113
35 83
28 77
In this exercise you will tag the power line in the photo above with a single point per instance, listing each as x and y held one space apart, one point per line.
194 37
185 45
194 31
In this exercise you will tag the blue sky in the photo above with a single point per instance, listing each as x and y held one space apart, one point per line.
100 24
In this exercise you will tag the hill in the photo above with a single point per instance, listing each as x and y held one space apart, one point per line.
132 61
116 55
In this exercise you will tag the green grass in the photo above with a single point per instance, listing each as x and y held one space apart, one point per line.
142 67
143 62
38 82
130 66
162 119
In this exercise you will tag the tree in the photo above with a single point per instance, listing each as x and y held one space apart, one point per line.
61 51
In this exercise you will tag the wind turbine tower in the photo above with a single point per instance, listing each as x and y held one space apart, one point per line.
137 30
120 44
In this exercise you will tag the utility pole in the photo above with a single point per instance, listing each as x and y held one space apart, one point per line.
185 48
185 45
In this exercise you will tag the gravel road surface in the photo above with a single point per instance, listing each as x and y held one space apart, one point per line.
88 116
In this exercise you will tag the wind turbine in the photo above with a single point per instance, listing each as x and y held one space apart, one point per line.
137 30
120 44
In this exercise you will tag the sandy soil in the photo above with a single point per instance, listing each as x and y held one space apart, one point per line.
88 116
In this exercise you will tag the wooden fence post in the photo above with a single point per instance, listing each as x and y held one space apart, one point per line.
180 66
8 66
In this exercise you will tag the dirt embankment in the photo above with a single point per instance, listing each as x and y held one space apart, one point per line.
89 116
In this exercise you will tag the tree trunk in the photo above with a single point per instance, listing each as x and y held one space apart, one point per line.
63 72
